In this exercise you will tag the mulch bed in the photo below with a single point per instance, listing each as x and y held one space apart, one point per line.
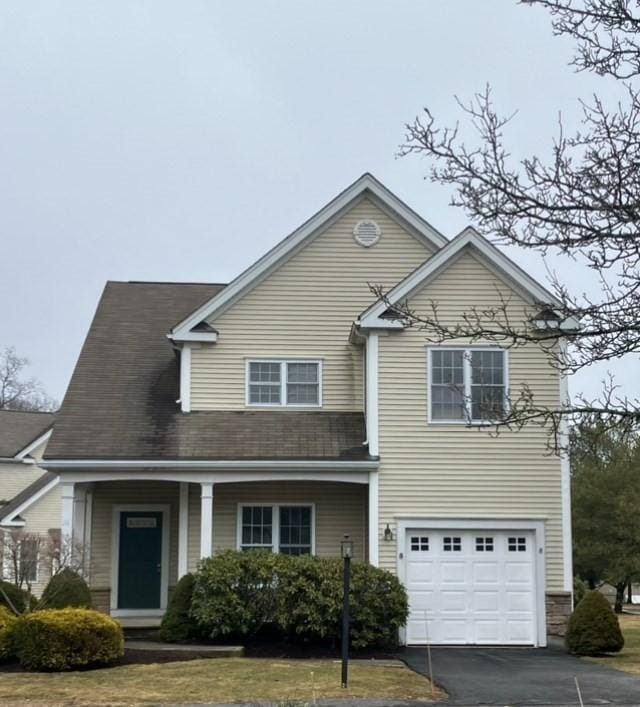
265 649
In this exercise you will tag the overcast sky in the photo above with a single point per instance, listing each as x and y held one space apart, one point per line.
180 140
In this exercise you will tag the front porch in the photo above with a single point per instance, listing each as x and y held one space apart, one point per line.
140 535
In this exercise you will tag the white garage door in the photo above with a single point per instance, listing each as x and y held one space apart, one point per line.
470 587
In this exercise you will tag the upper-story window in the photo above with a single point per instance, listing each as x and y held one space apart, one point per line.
284 383
467 385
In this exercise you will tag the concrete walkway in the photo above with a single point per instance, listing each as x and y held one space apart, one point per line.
523 676
207 651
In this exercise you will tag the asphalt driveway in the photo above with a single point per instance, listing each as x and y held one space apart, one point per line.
522 676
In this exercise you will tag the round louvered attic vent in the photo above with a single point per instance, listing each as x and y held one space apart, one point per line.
367 233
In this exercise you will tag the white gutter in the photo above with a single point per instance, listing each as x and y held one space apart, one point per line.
194 464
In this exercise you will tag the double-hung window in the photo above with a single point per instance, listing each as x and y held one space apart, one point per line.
467 385
287 529
284 383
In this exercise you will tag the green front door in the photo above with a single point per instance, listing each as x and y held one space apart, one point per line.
140 563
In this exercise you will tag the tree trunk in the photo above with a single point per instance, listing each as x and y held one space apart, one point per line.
620 590
629 593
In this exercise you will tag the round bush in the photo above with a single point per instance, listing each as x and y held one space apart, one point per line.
65 589
15 599
235 593
380 607
299 598
593 627
177 625
64 639
7 626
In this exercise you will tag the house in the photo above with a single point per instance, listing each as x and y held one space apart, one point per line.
288 408
29 499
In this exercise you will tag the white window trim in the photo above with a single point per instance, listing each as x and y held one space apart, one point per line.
7 573
275 520
283 382
467 383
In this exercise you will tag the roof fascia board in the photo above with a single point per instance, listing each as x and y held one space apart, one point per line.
9 519
499 263
230 464
312 227
209 337
40 439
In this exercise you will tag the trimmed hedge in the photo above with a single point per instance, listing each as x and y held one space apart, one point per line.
21 599
65 589
177 626
64 639
7 626
593 627
245 593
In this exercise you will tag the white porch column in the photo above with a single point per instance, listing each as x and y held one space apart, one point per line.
183 529
66 520
372 393
374 522
206 519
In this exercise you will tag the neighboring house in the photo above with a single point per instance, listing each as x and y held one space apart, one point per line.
29 500
288 408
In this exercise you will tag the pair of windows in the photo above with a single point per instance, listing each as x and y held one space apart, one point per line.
276 528
467 385
20 558
284 383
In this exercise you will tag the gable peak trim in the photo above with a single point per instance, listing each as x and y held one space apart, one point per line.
365 184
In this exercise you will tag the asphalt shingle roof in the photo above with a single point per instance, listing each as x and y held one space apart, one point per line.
121 402
19 428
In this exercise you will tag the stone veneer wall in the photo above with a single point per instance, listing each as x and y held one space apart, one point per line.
558 612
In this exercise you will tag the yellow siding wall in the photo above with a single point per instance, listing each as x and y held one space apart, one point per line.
305 309
106 495
40 517
449 471
339 509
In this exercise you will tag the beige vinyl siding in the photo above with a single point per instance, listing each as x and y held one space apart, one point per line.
15 477
41 517
340 509
106 495
451 471
305 309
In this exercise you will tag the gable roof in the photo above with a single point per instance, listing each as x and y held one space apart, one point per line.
491 256
121 402
366 185
19 429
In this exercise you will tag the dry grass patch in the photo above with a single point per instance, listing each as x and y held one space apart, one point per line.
217 680
629 657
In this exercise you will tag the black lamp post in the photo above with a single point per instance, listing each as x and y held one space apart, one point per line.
346 550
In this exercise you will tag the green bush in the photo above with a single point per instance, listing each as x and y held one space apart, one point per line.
593 627
65 639
298 598
19 600
177 626
7 625
65 589
580 588
235 593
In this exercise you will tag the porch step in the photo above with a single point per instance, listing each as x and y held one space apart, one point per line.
205 651
135 622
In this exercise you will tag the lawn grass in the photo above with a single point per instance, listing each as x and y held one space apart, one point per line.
629 657
217 680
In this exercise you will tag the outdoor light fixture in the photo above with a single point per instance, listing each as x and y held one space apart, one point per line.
346 548
388 533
